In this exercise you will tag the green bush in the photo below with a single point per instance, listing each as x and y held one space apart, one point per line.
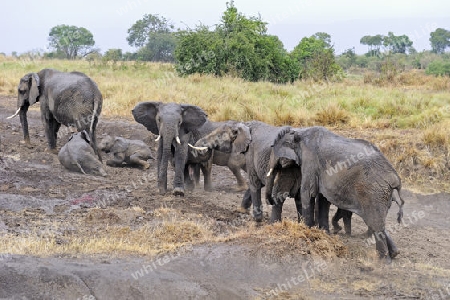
439 68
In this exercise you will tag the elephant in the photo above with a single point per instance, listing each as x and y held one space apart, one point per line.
133 152
77 155
173 123
204 160
352 174
71 99
253 139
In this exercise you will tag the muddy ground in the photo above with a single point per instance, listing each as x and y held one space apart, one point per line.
36 190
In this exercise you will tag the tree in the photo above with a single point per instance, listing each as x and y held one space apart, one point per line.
373 42
71 41
239 46
316 58
440 40
397 44
154 37
113 54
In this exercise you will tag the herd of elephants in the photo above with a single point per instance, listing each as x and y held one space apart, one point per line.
313 165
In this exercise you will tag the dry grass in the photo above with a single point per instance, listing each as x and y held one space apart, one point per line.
167 231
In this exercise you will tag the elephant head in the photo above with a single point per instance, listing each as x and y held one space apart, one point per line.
28 94
106 143
285 154
173 124
228 138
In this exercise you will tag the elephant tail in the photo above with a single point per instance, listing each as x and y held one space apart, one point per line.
398 199
94 120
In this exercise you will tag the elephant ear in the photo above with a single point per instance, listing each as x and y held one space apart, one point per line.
33 87
243 138
284 146
193 116
145 113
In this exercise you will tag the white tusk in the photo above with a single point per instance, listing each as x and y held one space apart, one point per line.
270 172
178 140
15 114
157 139
198 148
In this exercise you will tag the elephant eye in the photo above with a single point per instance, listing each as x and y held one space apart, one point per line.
22 92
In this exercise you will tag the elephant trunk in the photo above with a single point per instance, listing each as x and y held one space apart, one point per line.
24 123
166 139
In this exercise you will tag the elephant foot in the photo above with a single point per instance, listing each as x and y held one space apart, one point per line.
242 210
53 151
336 229
240 188
178 191
145 165
393 253
258 218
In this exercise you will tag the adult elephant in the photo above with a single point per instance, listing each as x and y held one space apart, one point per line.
71 99
254 139
350 173
173 124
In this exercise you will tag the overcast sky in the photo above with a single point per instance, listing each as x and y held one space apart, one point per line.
25 24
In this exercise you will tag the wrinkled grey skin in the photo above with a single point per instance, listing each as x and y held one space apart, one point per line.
205 159
77 155
364 183
172 122
277 190
133 152
254 139
71 99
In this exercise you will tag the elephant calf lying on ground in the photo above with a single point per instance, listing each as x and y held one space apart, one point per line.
134 152
77 155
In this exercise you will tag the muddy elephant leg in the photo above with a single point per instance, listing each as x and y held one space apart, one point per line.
393 251
246 202
324 209
241 183
298 205
189 175
51 130
347 218
382 245
117 161
277 209
206 170
138 160
308 209
257 204
335 221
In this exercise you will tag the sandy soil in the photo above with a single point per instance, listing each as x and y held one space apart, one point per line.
36 190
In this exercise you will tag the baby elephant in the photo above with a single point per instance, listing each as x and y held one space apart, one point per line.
134 152
77 155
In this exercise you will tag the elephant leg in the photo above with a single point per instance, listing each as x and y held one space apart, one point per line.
308 209
277 209
335 221
241 183
298 205
180 166
324 209
188 179
138 160
246 202
393 250
117 161
51 130
382 245
257 204
348 222
206 170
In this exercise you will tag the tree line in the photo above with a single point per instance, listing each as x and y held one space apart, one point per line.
240 46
